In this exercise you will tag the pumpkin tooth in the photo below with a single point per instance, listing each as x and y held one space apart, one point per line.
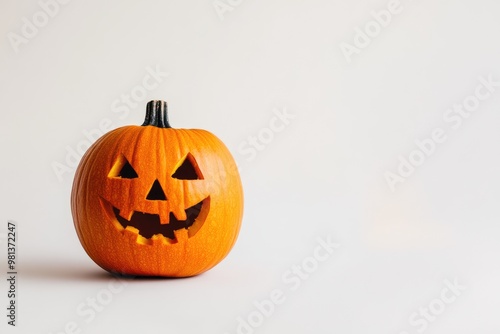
126 213
164 218
143 241
131 232
179 214
181 235
159 239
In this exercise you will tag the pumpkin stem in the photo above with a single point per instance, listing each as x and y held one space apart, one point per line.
156 114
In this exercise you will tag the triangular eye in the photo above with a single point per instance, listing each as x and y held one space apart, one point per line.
122 169
188 170
127 172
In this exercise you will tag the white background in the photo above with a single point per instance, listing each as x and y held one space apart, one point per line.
322 175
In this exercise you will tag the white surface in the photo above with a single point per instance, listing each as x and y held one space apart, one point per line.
322 175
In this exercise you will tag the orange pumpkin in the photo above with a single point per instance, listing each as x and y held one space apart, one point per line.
151 200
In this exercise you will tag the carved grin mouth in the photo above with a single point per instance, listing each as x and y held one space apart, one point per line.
148 224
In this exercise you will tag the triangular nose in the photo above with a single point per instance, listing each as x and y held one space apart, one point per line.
156 193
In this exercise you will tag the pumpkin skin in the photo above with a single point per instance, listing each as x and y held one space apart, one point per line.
151 200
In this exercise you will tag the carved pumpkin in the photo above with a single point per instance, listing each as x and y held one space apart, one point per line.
151 200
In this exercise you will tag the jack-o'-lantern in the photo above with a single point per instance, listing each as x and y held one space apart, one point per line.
152 200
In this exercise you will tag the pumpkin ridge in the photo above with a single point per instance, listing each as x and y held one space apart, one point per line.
82 184
160 154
